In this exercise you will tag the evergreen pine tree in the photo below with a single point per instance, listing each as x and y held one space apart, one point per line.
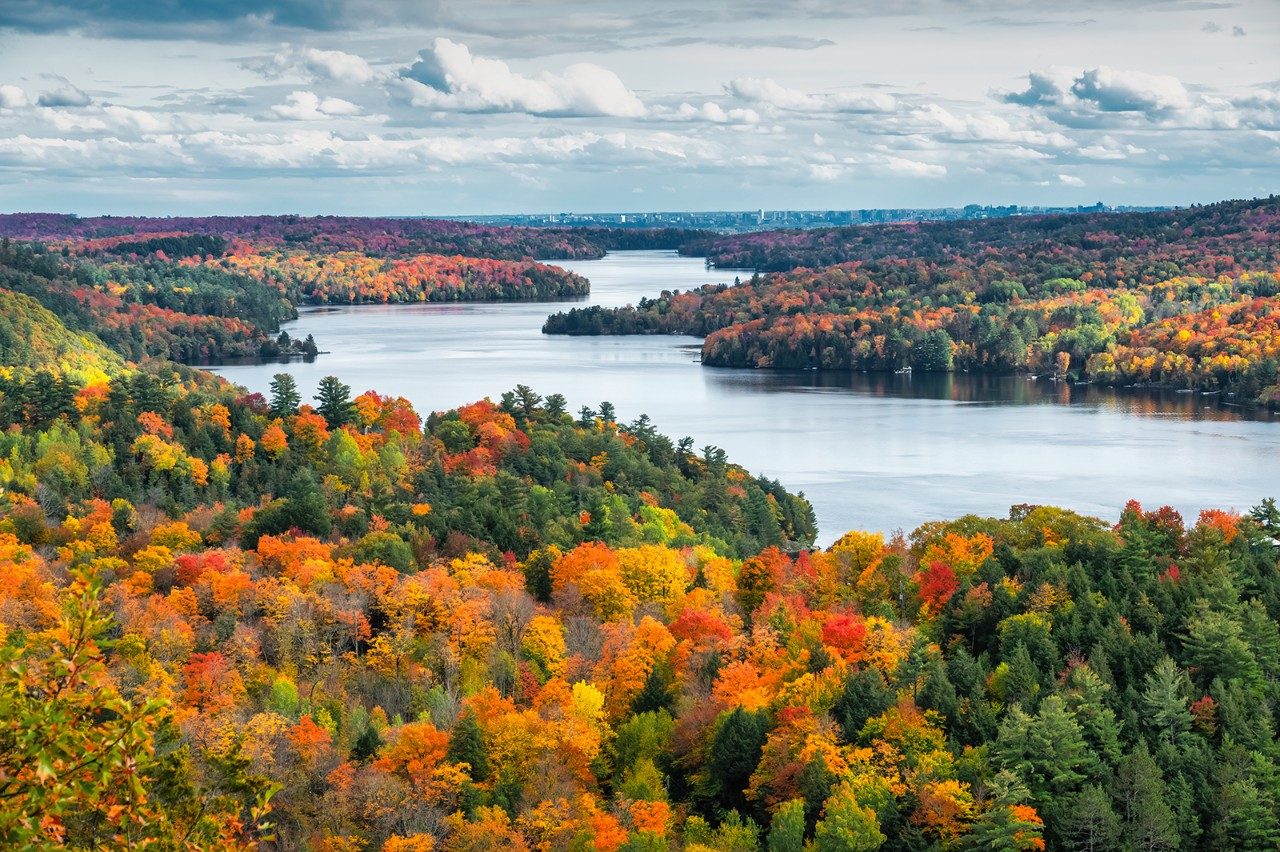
1150 824
735 751
333 400
1089 823
466 745
284 396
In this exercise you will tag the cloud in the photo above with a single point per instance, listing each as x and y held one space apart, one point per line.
1109 148
782 42
713 113
1130 91
448 77
1105 98
1109 97
983 127
764 90
336 65
1210 27
132 19
11 97
1070 180
1042 88
915 168
1238 32
827 172
322 152
102 118
65 96
308 106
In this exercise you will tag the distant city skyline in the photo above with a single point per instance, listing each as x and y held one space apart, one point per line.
766 219
439 107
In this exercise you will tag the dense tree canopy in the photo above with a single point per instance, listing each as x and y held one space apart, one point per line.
1184 299
228 621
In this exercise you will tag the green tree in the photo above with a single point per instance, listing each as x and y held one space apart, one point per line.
1008 824
1215 644
537 572
658 692
1089 823
1248 817
466 745
1022 680
1150 824
367 743
865 695
735 751
934 353
1087 699
786 831
555 405
387 548
846 825
1046 751
285 398
1164 701
333 401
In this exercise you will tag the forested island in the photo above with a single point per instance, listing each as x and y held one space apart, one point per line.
254 621
1183 298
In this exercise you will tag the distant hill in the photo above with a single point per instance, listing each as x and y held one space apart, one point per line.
371 235
1221 228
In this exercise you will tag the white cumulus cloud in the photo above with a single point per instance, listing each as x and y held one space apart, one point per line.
449 77
915 168
316 64
1130 91
714 113
308 106
12 97
337 65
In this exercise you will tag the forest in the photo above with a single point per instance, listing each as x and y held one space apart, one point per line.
232 620
1184 299
379 237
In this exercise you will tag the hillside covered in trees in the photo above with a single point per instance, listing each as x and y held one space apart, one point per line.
200 299
1185 299
509 628
231 620
1204 239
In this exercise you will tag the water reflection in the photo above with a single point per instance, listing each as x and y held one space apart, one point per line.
985 389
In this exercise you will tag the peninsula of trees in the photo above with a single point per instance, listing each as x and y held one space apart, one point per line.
1182 298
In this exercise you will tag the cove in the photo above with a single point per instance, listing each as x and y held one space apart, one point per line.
871 451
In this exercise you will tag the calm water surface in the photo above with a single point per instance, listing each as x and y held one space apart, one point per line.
870 451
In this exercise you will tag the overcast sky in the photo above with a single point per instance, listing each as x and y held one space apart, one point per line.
442 107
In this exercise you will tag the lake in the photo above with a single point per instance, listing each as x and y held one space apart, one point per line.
871 451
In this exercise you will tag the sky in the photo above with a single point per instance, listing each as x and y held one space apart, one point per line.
422 107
